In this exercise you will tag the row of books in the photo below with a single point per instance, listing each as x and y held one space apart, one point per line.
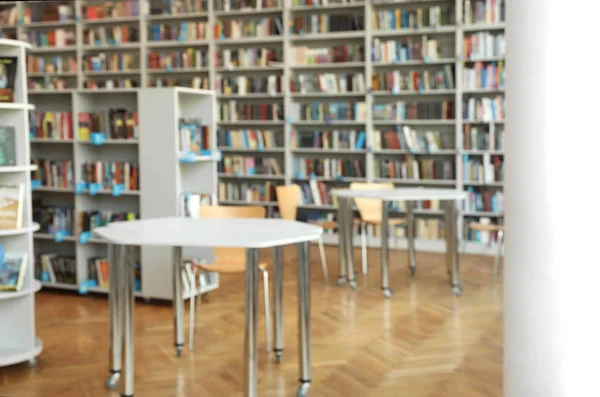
55 268
8 16
407 138
179 31
477 236
247 192
53 173
242 85
194 137
51 125
110 61
249 139
114 123
425 229
484 45
192 82
190 203
476 138
484 169
47 13
414 18
110 173
234 5
330 83
53 219
326 23
484 109
247 57
88 220
413 169
485 201
398 81
328 167
236 111
174 7
330 111
480 76
49 38
315 193
111 9
110 84
400 110
190 58
99 270
49 83
259 27
336 139
304 55
111 35
484 11
50 65
248 165
406 49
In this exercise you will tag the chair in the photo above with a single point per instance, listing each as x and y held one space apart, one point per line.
287 200
370 213
230 260
490 228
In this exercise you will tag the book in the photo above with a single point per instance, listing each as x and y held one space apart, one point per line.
8 72
12 271
11 206
8 156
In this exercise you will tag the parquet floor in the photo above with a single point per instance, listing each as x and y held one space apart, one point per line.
424 342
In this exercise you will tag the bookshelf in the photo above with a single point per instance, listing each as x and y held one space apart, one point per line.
252 63
17 308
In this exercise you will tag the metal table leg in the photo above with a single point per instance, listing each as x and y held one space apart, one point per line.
304 327
410 234
349 243
115 319
385 260
278 294
128 277
250 340
178 301
452 248
341 243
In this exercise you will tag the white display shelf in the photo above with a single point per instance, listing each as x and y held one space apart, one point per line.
5 295
23 230
10 356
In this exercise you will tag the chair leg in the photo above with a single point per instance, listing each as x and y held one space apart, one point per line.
363 238
500 242
267 307
323 260
192 288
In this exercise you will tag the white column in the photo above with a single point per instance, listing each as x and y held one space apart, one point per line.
552 273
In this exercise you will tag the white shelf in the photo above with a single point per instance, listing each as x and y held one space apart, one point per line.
5 295
17 168
10 356
176 43
168 17
16 106
247 12
24 230
412 32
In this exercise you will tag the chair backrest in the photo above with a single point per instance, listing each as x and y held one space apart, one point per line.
287 200
369 208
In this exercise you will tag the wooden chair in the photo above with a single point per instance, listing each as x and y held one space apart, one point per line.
287 200
230 260
370 213
486 227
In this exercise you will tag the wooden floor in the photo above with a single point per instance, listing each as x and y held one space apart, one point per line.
424 342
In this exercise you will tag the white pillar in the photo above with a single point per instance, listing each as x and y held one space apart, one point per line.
552 272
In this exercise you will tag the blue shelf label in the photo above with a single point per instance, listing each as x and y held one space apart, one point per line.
84 237
427 59
370 90
328 119
80 187
411 150
97 138
288 119
117 189
35 183
95 188
98 43
339 178
313 176
45 277
31 135
238 174
395 90
370 149
421 90
169 68
137 285
187 157
77 19
83 288
299 175
59 236
218 155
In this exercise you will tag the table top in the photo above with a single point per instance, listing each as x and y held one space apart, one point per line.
401 194
209 232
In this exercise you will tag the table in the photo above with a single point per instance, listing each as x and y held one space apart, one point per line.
177 232
408 195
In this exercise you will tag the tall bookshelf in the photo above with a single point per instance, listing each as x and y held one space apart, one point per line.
443 32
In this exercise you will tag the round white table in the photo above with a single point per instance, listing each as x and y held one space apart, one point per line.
177 232
407 195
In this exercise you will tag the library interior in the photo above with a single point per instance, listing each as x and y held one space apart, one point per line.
330 218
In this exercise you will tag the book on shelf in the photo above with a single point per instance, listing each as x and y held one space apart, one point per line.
484 201
247 192
413 169
234 110
8 74
11 206
484 45
50 83
179 31
477 138
56 38
249 165
111 9
248 139
13 267
194 137
174 7
408 139
336 139
194 82
329 83
414 18
484 11
256 27
54 219
55 268
51 64
243 5
304 55
53 173
111 35
412 81
191 58
484 169
484 109
482 237
405 111
99 271
328 167
87 221
406 49
113 123
323 3
110 173
48 12
110 62
318 218
316 193
8 16
247 57
242 85
8 150
190 203
326 23
110 83
329 111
